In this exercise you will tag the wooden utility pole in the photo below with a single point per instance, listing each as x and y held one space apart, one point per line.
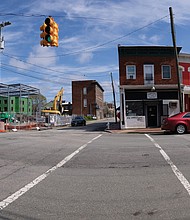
176 58
115 110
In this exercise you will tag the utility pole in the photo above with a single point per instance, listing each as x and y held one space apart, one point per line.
2 42
115 113
176 58
3 24
2 45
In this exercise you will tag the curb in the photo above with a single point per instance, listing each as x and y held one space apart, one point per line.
136 131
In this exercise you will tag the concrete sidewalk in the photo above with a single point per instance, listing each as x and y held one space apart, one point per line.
115 128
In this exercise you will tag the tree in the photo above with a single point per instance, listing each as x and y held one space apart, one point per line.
38 101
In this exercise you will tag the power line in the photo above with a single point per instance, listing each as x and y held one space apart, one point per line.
44 68
34 77
59 16
105 43
31 70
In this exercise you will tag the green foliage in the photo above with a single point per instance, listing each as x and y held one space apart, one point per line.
88 118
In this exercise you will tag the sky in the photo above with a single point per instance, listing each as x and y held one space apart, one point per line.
89 34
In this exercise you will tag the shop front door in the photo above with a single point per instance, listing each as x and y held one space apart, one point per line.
152 116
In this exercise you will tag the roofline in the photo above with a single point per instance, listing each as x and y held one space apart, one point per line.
92 81
150 47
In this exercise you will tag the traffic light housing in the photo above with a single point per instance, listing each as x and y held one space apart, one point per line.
49 33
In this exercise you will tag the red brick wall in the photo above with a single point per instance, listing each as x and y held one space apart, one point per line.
94 96
139 62
99 99
186 74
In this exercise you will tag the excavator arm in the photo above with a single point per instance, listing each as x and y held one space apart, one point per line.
57 104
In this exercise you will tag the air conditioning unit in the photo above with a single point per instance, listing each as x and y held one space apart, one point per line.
172 104
131 77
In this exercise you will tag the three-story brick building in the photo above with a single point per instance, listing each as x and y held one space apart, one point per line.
87 98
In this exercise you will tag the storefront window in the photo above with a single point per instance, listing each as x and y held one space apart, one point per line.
134 108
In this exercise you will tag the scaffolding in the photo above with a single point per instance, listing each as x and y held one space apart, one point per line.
17 90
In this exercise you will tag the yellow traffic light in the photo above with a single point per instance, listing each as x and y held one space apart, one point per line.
43 35
49 33
55 37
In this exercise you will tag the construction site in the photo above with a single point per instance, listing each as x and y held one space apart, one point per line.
17 109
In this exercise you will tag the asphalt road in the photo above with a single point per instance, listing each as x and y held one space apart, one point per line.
85 173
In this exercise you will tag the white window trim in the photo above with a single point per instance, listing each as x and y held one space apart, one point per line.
85 103
163 72
84 91
144 69
128 74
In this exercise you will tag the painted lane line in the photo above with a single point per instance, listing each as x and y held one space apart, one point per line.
176 171
4 203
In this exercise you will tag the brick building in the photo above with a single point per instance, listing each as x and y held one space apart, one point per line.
148 85
87 98
184 67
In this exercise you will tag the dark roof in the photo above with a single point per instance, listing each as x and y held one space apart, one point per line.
89 82
147 50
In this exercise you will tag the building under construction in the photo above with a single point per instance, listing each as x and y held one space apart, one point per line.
14 99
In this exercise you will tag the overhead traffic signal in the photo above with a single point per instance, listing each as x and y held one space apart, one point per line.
49 33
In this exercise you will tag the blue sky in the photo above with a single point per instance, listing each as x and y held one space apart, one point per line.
89 34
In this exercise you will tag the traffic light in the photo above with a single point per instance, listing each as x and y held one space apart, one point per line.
55 37
49 33
43 35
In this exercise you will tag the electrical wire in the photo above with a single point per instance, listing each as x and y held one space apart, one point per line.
8 65
34 77
60 16
42 67
105 43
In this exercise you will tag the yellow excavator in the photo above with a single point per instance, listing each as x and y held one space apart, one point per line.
57 104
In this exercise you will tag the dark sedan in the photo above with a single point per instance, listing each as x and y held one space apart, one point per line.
78 120
179 123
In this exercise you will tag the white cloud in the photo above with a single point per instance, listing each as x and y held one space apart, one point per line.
18 64
88 29
43 56
85 57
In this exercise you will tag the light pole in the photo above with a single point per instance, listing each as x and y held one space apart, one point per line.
2 42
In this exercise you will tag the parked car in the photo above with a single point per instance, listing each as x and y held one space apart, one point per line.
179 123
78 120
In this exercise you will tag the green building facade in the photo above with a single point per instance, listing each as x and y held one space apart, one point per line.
16 105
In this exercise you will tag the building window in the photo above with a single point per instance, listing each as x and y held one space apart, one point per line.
85 103
166 72
12 102
5 101
131 71
5 109
84 91
148 74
